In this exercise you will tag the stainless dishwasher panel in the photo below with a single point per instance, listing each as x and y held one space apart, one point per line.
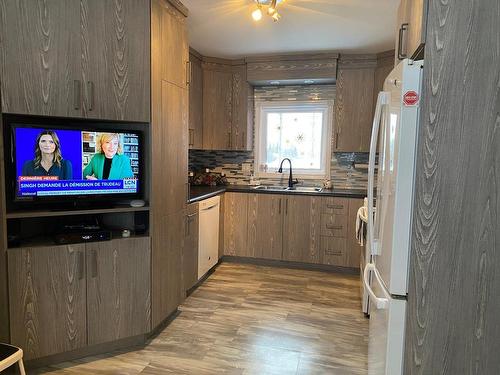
208 245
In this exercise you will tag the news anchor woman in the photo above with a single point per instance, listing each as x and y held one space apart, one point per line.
109 163
48 160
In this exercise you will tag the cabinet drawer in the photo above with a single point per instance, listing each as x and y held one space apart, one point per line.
333 250
333 225
336 206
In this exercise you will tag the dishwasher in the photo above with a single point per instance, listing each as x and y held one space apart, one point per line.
208 235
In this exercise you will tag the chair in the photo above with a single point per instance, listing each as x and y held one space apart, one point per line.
9 355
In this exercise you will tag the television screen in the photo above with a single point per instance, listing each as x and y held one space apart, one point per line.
59 162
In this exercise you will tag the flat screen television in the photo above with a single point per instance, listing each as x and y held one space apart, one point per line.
63 163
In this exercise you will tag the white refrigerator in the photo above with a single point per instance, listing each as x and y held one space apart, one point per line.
386 277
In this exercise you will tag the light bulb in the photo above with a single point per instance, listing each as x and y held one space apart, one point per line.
276 17
271 11
257 14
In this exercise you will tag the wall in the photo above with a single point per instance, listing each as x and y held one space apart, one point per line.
343 175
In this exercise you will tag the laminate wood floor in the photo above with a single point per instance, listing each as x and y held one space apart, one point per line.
247 319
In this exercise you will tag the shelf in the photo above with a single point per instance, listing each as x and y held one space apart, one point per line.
26 214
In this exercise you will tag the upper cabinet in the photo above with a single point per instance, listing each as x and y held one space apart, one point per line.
73 58
226 105
412 23
292 69
354 103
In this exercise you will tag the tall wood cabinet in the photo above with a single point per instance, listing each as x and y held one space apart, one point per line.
195 138
64 298
75 58
169 147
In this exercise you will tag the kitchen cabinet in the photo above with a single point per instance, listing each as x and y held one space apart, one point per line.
40 64
195 103
265 225
118 289
78 59
412 28
301 229
236 225
190 253
169 157
227 106
47 299
217 106
116 64
354 106
64 298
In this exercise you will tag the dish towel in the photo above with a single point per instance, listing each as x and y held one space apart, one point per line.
361 224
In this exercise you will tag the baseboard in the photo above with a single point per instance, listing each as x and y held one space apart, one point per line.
160 327
133 343
202 280
288 264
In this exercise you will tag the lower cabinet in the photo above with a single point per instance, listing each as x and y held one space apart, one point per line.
236 225
265 225
297 228
190 258
64 298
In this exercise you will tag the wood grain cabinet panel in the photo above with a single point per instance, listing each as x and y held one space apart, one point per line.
333 251
116 59
190 253
334 225
354 109
217 108
195 103
118 289
335 206
242 110
47 299
412 28
265 225
301 229
236 225
40 64
168 244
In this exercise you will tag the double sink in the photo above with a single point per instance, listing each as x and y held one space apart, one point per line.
298 189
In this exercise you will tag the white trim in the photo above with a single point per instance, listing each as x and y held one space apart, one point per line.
326 106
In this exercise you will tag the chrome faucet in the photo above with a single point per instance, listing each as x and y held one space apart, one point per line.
291 181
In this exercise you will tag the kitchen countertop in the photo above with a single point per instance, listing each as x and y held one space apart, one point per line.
199 193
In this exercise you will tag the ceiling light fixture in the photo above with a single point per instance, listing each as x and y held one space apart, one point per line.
271 8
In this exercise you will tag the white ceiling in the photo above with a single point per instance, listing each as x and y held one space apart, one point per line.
224 28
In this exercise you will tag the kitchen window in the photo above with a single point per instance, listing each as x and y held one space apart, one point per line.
299 131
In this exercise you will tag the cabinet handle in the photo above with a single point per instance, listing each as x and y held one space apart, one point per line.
94 264
80 265
77 96
229 140
243 136
329 226
188 72
191 137
187 232
335 206
402 29
279 207
337 141
90 86
333 252
286 206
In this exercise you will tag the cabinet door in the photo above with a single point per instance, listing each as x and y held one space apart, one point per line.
301 229
116 59
40 68
241 121
217 109
170 149
235 225
412 28
168 288
174 45
47 299
354 110
190 254
118 289
265 225
196 104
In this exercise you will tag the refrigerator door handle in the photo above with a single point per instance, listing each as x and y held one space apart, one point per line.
382 100
381 303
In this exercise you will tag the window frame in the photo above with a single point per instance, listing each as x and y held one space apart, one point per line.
262 108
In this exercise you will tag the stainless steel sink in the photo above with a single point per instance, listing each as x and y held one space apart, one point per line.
298 189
